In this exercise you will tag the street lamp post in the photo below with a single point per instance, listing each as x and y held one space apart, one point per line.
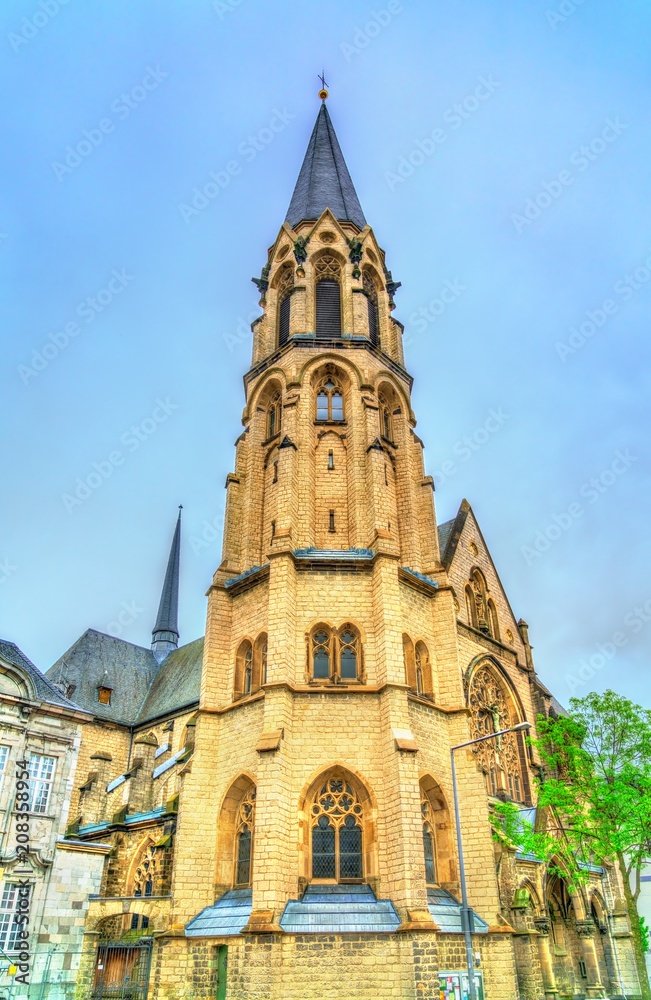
465 909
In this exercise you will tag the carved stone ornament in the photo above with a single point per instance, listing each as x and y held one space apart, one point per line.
300 252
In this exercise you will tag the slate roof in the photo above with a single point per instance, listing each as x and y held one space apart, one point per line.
228 915
167 619
445 530
324 181
339 909
446 911
177 682
141 689
43 688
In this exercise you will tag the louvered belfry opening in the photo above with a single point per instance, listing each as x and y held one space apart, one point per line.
328 310
328 297
283 322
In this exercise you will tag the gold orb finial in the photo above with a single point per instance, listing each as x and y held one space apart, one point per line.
323 93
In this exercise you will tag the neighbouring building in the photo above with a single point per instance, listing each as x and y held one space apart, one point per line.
42 874
277 797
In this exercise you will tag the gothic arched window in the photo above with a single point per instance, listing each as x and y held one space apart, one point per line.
410 663
328 298
336 653
260 661
386 426
336 819
146 875
243 670
423 670
274 416
428 838
244 838
285 287
329 401
492 711
371 299
493 621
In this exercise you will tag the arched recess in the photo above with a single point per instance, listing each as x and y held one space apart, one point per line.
423 665
435 818
410 661
15 684
371 285
337 828
283 284
328 306
259 662
236 834
243 680
331 402
494 706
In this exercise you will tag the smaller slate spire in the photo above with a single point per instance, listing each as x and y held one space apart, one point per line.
165 636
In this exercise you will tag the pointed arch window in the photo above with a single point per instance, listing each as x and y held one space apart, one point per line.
337 837
328 298
274 415
423 668
243 670
428 838
336 654
501 759
372 302
146 876
329 402
244 838
285 288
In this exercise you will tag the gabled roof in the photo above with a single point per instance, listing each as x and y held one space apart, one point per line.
98 660
177 683
324 181
43 689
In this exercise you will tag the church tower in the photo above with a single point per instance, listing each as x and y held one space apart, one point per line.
350 643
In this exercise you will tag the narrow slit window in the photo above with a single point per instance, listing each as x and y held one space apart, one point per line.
275 478
331 460
331 526
273 530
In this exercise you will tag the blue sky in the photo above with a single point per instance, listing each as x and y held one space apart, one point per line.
502 149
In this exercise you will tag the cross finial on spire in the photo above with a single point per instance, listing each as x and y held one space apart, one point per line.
323 93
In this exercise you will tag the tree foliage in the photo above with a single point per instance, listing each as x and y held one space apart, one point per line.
595 792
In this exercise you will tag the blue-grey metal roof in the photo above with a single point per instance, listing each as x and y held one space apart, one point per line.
41 687
242 576
339 909
338 555
419 576
228 915
129 819
444 532
324 181
446 912
167 618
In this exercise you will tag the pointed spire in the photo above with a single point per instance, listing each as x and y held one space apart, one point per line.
324 181
165 636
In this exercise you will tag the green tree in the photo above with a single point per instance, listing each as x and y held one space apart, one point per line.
596 783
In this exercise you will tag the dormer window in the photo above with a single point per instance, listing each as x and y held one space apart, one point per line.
104 695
